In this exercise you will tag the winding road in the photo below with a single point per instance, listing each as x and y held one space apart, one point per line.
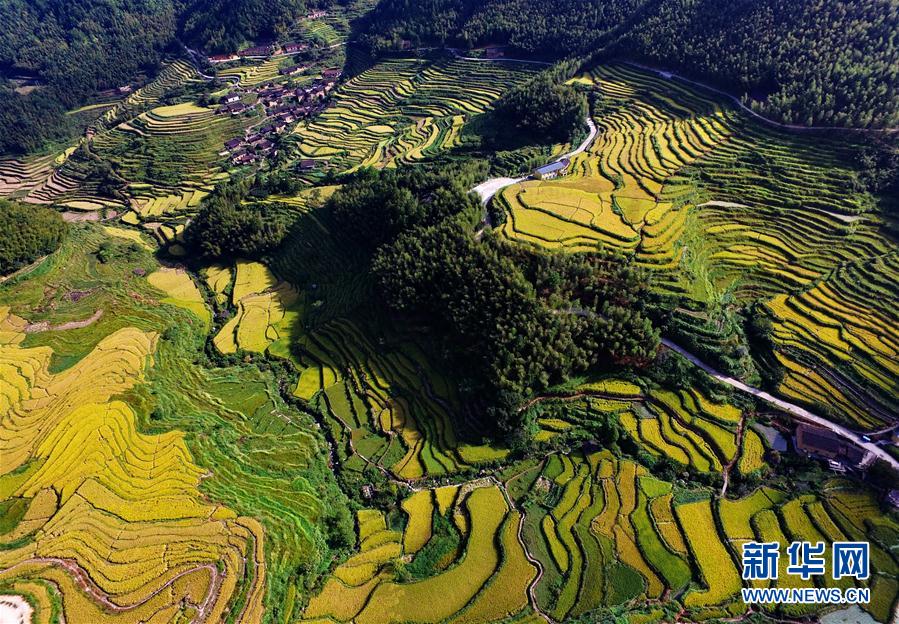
486 190
799 412
668 75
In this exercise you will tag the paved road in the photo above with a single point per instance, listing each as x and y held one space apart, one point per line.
486 190
669 75
797 411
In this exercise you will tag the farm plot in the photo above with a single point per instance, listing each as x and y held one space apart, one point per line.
384 403
265 309
607 533
251 74
616 193
170 155
175 490
402 111
839 342
712 202
691 430
57 179
685 427
100 493
590 529
485 579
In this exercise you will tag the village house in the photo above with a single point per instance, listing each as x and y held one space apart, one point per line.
292 70
233 144
332 74
231 98
892 499
495 52
552 170
307 164
312 15
839 453
243 158
222 58
293 48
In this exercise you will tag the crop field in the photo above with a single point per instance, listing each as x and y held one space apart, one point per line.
253 73
170 156
486 580
110 439
685 427
684 183
56 179
402 111
634 191
839 342
256 441
607 533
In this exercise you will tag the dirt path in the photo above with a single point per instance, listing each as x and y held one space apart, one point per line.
35 328
25 269
799 412
738 442
532 596
86 583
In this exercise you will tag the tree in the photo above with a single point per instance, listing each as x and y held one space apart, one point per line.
27 233
227 227
548 112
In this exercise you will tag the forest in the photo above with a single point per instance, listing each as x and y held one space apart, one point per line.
806 62
27 233
509 322
71 49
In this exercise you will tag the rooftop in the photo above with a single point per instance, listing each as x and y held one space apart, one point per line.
552 167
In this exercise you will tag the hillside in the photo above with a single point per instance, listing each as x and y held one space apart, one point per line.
301 334
808 62
53 55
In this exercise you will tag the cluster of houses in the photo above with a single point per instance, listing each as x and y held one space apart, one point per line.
282 105
266 50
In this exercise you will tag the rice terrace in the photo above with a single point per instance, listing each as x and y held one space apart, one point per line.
449 312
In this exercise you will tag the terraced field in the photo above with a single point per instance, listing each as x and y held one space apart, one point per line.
143 486
170 154
401 111
607 533
383 404
55 179
685 427
484 580
173 440
839 342
716 205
